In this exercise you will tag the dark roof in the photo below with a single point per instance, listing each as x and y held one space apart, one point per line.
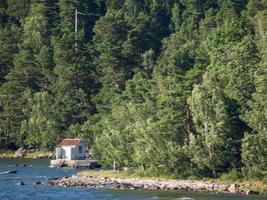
70 142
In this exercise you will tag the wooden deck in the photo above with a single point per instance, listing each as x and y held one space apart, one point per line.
88 163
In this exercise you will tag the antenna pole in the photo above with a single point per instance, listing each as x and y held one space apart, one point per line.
76 25
76 28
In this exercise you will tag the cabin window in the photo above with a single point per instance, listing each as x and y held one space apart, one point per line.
80 149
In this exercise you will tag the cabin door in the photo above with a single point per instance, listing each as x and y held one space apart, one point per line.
58 153
73 154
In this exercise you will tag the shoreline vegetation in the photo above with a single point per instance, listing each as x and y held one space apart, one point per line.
131 180
33 154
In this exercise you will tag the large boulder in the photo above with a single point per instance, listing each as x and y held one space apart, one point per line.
19 153
233 188
249 192
52 156
20 183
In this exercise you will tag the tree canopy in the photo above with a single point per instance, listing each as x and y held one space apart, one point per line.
167 86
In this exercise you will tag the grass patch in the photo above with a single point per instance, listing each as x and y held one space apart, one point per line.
256 185
109 174
117 174
6 154
232 176
237 177
35 154
228 178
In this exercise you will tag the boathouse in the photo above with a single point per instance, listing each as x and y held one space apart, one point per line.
71 149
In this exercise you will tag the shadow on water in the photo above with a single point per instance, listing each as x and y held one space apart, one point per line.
31 171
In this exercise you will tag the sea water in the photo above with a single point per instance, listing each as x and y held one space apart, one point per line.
31 171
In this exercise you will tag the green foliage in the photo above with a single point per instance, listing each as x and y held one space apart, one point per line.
254 154
254 143
3 15
173 88
8 48
40 130
18 11
211 147
29 72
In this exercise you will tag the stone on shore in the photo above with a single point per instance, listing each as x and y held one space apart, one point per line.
41 155
233 188
19 153
249 192
138 184
52 156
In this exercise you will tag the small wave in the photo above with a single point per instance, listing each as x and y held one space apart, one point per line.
37 177
185 198
154 197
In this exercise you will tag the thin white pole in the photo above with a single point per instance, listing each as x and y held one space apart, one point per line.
76 28
76 25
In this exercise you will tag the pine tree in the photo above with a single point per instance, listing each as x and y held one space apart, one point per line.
18 11
30 67
111 33
173 88
3 14
8 48
74 69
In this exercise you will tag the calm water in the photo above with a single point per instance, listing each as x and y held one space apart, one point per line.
38 170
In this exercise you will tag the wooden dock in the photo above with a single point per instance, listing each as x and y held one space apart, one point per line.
88 163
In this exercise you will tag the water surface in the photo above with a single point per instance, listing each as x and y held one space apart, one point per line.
38 170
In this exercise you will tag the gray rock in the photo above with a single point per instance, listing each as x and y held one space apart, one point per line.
137 184
52 156
19 153
31 150
233 188
249 192
20 183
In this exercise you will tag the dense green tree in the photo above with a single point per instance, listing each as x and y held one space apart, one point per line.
30 67
18 11
40 130
127 112
74 71
254 144
3 14
211 147
255 141
230 55
170 87
111 33
8 47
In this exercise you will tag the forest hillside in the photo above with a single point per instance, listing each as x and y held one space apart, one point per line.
173 87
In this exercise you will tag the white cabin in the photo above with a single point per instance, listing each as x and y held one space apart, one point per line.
71 149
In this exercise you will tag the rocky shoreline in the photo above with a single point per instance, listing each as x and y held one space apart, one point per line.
146 184
26 153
